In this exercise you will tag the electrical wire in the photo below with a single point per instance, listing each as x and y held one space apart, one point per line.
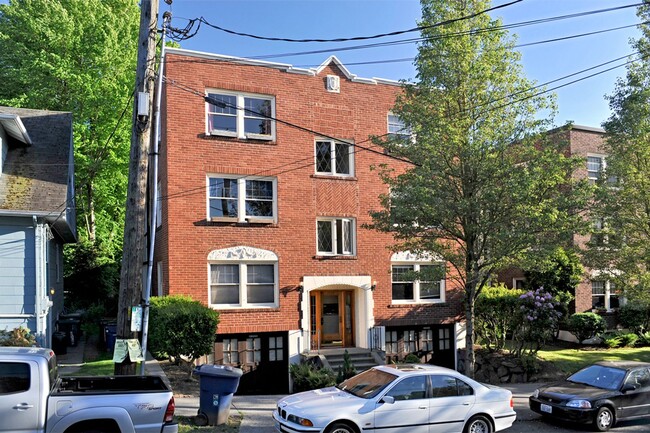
410 59
359 148
361 38
272 171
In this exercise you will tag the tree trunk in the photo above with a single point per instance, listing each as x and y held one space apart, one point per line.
90 213
470 356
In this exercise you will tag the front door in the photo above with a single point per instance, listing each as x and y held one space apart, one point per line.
331 320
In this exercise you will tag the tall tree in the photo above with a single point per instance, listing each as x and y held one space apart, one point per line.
486 187
622 251
78 56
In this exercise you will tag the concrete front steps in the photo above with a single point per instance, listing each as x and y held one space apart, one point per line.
332 358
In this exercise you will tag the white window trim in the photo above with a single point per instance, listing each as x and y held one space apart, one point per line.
241 114
416 284
350 223
607 285
241 200
332 171
243 277
406 131
516 280
603 165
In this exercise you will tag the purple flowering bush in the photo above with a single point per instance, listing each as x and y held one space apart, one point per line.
539 318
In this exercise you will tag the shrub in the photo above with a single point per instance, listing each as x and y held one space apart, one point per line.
586 325
644 339
496 315
347 369
612 341
183 329
307 376
412 358
539 321
20 336
634 316
629 339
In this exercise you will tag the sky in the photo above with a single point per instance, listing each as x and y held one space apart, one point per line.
582 102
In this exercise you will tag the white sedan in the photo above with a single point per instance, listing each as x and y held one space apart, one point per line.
399 399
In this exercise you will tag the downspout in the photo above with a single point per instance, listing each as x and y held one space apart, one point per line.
154 211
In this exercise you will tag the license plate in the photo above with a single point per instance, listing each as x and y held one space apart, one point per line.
545 408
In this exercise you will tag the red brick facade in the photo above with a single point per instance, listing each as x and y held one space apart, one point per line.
189 154
583 142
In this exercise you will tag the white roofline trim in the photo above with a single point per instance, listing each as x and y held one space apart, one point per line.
284 66
15 120
337 62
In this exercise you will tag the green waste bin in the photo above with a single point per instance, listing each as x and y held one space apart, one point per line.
217 385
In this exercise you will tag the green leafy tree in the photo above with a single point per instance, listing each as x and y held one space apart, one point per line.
184 329
561 271
79 56
623 203
486 186
497 315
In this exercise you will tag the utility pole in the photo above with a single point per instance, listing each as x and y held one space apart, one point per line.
134 252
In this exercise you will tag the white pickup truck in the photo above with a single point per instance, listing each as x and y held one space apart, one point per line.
33 398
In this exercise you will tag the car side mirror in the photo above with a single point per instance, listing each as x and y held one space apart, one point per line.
628 387
388 399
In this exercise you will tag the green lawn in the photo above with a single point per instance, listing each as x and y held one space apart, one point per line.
571 360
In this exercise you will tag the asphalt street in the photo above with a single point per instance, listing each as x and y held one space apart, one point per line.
257 415
530 422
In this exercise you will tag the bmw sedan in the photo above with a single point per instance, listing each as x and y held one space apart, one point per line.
601 394
399 399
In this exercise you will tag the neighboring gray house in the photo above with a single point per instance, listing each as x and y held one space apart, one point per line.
37 216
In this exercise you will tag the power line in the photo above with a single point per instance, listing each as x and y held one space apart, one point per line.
222 104
411 30
271 171
410 59
357 38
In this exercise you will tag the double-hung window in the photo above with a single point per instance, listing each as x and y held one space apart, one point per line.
594 167
242 199
412 283
397 129
240 115
334 158
336 236
243 284
604 295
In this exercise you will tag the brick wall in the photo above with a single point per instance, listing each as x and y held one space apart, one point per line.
188 155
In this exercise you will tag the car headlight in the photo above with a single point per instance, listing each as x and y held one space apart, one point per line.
580 404
536 393
300 421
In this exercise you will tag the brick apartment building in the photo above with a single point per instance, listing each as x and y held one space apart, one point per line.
263 213
594 292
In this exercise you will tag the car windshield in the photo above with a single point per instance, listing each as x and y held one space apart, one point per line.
599 376
367 384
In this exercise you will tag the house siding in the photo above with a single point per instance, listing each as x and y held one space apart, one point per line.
17 274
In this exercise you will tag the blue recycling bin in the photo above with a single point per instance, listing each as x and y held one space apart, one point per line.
110 332
217 384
